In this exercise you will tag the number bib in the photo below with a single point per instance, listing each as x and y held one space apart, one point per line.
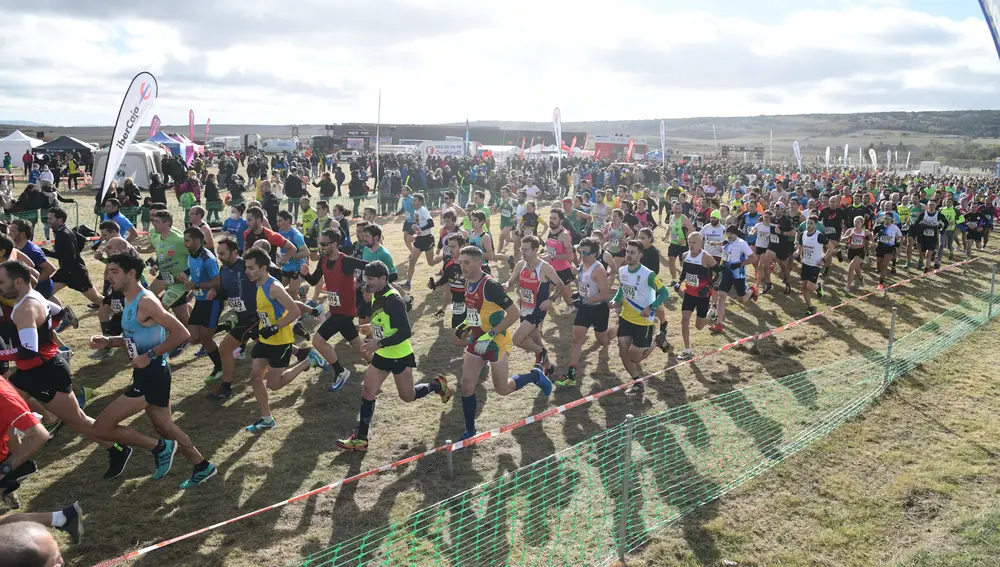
378 332
199 294
775 239
692 280
167 278
527 296
551 251
458 307
473 320
857 241
613 243
929 232
807 253
236 304
584 290
333 298
117 306
830 230
629 291
264 320
885 239
130 348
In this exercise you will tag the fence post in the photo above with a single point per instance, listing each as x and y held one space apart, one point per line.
625 501
888 351
449 463
993 283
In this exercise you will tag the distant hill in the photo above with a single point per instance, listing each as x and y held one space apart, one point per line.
20 123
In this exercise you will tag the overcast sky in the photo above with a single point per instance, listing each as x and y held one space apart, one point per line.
66 62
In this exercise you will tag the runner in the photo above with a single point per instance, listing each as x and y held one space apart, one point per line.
197 216
337 271
927 226
887 238
372 251
257 231
171 260
424 241
594 292
857 239
833 219
110 312
72 270
489 315
779 249
678 228
813 250
150 332
651 259
616 233
291 262
539 285
387 342
736 254
202 275
482 239
640 294
696 272
559 253
20 232
506 208
952 215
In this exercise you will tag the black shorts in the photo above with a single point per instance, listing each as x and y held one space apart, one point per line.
565 275
853 253
338 323
882 250
151 383
810 273
833 237
394 365
78 280
277 356
44 381
760 250
975 235
205 313
929 243
728 282
245 328
408 227
181 301
289 276
782 251
675 250
535 317
595 316
424 243
642 335
697 304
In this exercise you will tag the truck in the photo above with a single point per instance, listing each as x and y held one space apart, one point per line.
251 141
277 146
930 167
225 143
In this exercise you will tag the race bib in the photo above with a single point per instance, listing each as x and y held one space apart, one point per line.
808 253
691 280
458 307
885 239
857 240
333 298
830 230
130 348
551 251
167 278
473 320
117 306
264 320
775 239
527 296
629 291
929 232
378 332
584 290
504 213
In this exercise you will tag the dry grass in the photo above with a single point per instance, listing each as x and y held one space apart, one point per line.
299 455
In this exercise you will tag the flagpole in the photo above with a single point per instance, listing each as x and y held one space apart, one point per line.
378 124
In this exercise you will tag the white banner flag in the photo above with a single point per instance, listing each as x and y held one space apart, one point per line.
798 154
888 158
663 141
828 157
907 161
871 154
557 130
138 100
845 155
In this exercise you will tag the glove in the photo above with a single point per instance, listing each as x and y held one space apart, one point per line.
269 331
431 284
483 344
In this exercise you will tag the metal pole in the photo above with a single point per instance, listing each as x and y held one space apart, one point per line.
448 456
888 351
625 501
993 283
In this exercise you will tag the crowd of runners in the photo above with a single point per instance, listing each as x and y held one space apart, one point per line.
608 244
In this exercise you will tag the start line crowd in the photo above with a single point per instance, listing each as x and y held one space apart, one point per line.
595 252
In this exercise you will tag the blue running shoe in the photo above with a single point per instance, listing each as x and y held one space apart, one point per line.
262 425
316 360
544 384
164 459
198 477
201 352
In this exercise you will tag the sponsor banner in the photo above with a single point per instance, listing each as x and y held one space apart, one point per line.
154 126
798 153
208 126
447 148
991 9
845 155
191 125
355 143
620 140
663 141
828 157
871 154
135 106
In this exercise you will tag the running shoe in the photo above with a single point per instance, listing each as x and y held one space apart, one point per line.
177 351
676 286
754 296
905 265
467 435
353 443
847 291
238 353
85 396
568 380
303 291
339 380
303 353
767 288
11 501
543 382
53 427
686 354
198 477
215 376
788 289
262 425
713 314
299 331
810 311
69 318
861 279
636 389
445 391
819 290
93 306
164 459
221 393
716 328
661 341
74 522
510 262
409 303
316 360
200 352
100 354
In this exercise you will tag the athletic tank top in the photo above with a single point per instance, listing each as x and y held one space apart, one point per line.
929 224
381 328
812 250
856 239
477 241
532 291
697 277
339 287
140 339
47 348
268 313
613 236
677 235
637 292
555 246
588 287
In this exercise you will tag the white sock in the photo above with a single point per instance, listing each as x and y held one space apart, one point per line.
58 519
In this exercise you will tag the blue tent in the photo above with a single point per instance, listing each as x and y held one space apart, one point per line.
175 147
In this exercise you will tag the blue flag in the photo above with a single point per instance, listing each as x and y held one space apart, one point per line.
992 12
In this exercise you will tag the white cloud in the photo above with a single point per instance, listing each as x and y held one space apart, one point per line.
303 61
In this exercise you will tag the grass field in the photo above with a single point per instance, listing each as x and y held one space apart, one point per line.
299 455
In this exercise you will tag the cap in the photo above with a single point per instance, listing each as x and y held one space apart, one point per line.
716 214
732 230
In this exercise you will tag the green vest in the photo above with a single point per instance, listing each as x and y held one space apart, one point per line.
382 330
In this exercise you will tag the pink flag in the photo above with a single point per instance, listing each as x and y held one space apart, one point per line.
154 126
208 125
631 145
191 125
522 147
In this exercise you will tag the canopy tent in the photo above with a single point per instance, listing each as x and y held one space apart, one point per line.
66 144
502 154
177 145
16 144
141 161
198 149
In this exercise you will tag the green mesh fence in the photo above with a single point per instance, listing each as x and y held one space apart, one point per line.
607 496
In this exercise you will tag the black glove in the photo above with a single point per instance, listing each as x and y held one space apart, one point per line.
269 331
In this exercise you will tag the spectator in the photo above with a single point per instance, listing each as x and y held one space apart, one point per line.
340 177
293 191
326 186
270 203
157 189
45 176
27 160
357 190
213 202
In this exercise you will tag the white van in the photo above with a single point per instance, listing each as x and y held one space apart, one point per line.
348 155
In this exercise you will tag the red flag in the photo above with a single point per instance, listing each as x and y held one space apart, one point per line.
631 145
572 145
522 147
532 144
585 138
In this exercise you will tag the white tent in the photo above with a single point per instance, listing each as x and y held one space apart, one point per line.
16 144
140 163
502 154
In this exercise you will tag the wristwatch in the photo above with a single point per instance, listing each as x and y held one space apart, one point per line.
491 333
5 469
